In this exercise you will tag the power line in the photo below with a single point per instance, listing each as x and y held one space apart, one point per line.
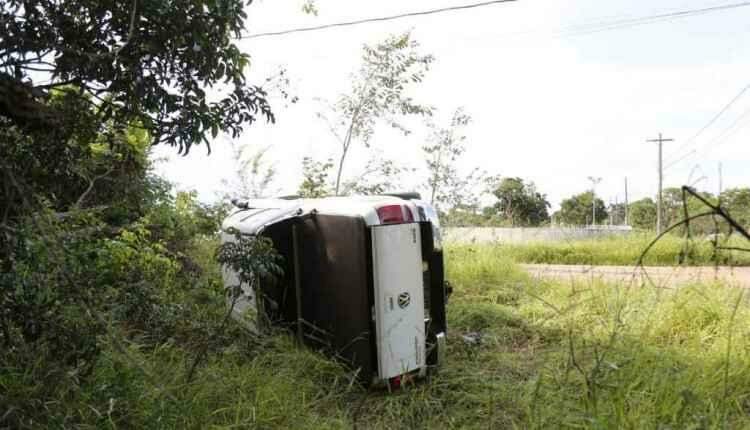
709 124
632 22
680 159
719 140
574 30
594 182
378 19
620 22
726 134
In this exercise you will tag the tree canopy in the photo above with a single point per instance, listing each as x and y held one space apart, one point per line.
144 63
447 186
519 203
737 201
378 93
89 238
315 178
577 210
642 214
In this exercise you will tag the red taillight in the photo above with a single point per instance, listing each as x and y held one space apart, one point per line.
401 381
395 214
391 214
395 382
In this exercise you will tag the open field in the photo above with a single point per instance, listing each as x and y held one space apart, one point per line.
656 276
625 251
522 235
524 353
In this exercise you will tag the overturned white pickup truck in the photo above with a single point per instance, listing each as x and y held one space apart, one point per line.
363 279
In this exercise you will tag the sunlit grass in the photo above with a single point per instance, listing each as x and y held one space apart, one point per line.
609 355
624 250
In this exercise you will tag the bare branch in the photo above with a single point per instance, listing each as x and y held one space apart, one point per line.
686 221
331 127
8 228
116 52
719 211
57 84
92 182
733 248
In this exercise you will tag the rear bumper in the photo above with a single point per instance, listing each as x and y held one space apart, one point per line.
440 344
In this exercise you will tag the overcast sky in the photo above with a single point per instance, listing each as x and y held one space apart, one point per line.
547 106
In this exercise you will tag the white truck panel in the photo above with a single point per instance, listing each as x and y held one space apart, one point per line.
245 307
399 298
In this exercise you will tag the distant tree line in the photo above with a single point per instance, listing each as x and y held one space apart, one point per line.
642 213
517 202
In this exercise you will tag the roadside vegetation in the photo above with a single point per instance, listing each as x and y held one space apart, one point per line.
625 250
523 353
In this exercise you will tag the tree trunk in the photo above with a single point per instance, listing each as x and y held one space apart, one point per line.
341 168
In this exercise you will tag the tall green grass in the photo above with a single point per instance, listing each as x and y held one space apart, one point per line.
612 355
625 250
523 353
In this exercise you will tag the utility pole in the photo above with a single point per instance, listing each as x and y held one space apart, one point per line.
720 180
594 182
660 141
617 210
626 202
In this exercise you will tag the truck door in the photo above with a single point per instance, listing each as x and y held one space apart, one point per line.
399 298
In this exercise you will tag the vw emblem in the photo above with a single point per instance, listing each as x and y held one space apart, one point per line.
403 300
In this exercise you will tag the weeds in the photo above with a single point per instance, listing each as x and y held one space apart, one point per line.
522 353
670 250
546 357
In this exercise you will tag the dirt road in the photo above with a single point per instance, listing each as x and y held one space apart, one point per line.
661 276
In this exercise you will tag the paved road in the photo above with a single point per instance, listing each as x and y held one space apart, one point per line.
661 276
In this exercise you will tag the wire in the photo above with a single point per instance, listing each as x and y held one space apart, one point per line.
719 140
680 159
575 30
632 22
378 19
710 123
727 133
615 22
